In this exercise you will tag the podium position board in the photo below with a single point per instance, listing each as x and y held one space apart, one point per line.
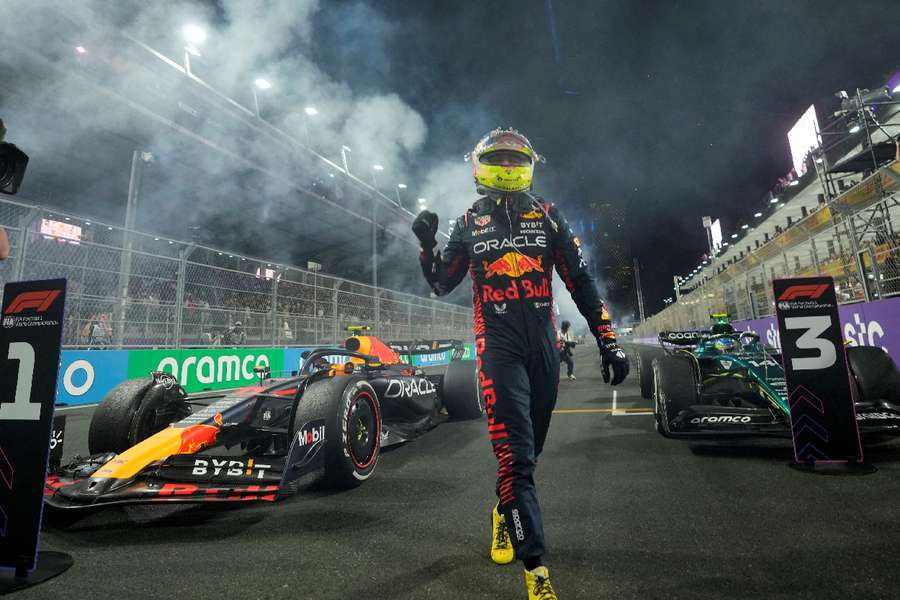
30 336
823 417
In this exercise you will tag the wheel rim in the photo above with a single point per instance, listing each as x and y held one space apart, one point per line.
363 431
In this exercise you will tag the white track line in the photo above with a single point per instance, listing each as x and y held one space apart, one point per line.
76 407
624 412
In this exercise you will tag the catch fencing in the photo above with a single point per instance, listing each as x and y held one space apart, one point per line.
855 239
132 289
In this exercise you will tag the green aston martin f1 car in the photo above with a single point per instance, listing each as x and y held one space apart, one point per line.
724 383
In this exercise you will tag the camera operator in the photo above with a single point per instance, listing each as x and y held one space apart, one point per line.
12 169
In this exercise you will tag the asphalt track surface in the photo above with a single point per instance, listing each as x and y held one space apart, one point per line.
628 515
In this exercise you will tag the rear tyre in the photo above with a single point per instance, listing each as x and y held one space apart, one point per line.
461 395
875 373
674 389
352 416
133 411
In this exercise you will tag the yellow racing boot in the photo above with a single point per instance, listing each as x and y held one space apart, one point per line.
538 583
502 551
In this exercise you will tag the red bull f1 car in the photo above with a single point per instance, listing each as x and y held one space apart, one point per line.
722 383
149 442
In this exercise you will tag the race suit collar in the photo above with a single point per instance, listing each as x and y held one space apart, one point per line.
486 204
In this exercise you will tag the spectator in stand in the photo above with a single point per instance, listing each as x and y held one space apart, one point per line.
4 244
98 331
235 335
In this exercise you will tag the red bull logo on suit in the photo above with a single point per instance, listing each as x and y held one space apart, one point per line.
513 264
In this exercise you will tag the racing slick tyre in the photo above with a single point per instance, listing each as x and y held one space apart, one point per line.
645 367
133 411
674 389
461 395
876 375
352 415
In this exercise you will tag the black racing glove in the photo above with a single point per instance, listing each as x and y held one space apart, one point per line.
425 227
612 357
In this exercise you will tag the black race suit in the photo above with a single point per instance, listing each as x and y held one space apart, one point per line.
509 250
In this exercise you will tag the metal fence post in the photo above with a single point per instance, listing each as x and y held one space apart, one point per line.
876 272
335 325
274 309
750 298
24 226
180 280
814 255
315 309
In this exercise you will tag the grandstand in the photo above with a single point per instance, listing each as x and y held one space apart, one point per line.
841 219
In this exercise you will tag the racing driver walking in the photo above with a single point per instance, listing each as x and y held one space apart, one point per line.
509 241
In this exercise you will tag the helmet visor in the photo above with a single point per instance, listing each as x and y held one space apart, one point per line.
506 158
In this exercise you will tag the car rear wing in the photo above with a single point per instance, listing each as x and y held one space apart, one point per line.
412 348
681 338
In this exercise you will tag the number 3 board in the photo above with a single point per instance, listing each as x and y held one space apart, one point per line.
823 417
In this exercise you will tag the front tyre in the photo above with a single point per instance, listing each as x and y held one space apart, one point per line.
352 416
674 389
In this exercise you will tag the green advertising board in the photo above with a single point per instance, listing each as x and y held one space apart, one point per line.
207 369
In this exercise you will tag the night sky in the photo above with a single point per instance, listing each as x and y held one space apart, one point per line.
674 109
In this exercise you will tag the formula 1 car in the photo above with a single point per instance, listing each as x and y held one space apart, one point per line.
723 383
326 422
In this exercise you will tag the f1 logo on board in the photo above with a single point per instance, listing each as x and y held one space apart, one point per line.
38 301
812 292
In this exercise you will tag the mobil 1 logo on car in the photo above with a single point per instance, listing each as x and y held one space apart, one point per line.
823 420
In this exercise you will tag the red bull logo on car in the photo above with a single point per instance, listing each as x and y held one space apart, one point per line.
513 264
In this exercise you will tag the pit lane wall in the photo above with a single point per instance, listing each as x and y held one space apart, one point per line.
85 376
862 324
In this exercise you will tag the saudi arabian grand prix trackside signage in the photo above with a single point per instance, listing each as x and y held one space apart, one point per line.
823 418
30 338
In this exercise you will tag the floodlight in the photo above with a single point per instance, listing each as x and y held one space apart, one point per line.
194 34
